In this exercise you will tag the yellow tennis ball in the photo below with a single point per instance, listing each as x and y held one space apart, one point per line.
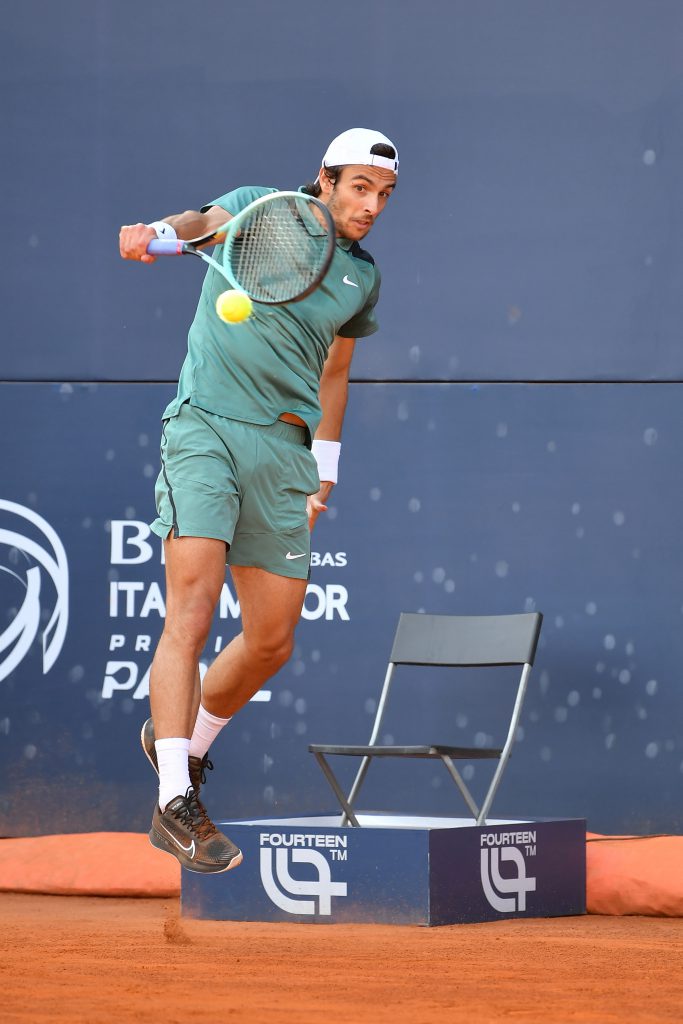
233 306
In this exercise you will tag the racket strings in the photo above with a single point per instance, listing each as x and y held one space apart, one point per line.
275 256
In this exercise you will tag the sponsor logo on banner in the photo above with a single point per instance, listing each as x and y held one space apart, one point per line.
280 856
137 608
506 892
32 553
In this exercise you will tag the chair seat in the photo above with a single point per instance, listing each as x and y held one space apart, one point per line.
437 750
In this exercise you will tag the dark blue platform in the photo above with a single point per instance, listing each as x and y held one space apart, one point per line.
395 870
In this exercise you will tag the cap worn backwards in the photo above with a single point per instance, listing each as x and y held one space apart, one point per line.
355 147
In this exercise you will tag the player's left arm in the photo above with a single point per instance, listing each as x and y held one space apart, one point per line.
333 394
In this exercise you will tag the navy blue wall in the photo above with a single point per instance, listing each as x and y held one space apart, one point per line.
536 233
514 433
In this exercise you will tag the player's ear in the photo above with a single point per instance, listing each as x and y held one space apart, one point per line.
326 183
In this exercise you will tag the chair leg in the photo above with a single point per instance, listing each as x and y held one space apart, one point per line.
505 753
358 782
338 792
488 799
460 783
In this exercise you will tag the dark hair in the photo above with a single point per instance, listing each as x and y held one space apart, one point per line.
379 149
382 149
313 188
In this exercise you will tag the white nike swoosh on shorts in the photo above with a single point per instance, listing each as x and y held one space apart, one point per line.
345 279
289 555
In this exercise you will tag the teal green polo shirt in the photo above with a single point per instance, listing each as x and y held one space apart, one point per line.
271 363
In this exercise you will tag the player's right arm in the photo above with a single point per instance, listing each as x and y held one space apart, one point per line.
134 238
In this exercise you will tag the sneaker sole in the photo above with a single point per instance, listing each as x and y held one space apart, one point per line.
161 844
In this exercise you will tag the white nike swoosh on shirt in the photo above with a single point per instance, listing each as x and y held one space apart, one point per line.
290 555
187 849
345 279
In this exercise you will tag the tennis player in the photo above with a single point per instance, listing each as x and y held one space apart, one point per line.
249 454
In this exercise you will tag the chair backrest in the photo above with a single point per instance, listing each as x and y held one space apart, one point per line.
466 640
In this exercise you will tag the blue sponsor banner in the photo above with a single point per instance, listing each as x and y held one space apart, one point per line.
453 499
417 873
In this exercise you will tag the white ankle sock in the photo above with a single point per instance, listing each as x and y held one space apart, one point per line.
206 728
174 778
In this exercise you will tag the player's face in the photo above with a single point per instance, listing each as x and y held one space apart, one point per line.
357 198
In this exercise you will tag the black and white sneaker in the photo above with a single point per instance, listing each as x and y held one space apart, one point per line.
197 766
185 830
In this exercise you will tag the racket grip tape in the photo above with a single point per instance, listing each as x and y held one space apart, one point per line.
165 247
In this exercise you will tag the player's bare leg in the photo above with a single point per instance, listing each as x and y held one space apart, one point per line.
271 608
195 570
195 573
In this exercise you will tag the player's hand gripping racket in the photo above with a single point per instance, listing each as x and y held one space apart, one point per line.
278 249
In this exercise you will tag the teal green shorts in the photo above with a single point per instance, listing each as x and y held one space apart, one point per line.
241 483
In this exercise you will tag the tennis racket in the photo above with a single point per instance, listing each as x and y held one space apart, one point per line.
278 249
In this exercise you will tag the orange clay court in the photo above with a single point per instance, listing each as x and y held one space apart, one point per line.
89 958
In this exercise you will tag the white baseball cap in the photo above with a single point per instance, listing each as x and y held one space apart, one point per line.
355 147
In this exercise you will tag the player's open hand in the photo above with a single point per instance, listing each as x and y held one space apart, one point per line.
133 242
314 506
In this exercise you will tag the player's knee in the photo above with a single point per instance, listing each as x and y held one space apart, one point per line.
283 653
190 624
273 651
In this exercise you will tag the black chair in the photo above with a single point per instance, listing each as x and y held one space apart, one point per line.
460 641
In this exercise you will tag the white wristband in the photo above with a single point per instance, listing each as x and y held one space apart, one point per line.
326 454
162 229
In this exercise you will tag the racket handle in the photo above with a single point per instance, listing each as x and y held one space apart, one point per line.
165 247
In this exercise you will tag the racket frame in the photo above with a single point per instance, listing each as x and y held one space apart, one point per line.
232 229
